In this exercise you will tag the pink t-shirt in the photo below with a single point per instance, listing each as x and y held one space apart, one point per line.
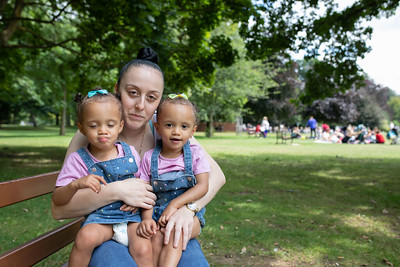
199 162
75 168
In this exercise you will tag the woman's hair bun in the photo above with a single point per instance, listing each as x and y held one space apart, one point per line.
147 53
78 97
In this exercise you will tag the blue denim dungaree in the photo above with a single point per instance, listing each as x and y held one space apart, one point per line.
112 170
170 185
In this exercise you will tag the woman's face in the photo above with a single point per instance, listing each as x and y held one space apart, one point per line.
141 89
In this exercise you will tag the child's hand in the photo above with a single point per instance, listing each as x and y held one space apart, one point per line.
147 228
168 212
91 181
127 207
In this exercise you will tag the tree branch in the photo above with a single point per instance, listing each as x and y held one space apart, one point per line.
6 34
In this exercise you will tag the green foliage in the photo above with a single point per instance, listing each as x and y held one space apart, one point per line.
231 86
394 104
320 30
92 40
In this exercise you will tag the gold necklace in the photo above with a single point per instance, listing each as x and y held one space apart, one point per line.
141 143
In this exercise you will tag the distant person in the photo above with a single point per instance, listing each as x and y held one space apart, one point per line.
264 126
102 161
178 172
380 139
258 130
312 124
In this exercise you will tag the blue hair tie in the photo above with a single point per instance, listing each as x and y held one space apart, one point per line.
95 92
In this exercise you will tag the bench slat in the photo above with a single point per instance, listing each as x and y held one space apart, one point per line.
18 190
41 247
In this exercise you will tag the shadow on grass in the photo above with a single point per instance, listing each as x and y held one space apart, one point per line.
314 210
23 161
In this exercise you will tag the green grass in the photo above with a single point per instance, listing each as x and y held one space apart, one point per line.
304 204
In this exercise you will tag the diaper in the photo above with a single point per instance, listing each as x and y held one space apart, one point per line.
121 233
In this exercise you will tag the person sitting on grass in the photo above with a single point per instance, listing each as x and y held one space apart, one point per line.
102 161
178 172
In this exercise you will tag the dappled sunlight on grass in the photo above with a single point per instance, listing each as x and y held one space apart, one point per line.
370 225
282 205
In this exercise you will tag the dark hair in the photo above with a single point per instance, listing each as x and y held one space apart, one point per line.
180 101
145 57
97 98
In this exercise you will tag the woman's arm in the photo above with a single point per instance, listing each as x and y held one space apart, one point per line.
78 141
132 191
182 220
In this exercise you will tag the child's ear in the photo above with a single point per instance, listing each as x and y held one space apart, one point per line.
80 127
194 130
156 125
121 126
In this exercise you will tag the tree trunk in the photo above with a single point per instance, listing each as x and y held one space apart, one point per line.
63 111
33 119
210 125
68 122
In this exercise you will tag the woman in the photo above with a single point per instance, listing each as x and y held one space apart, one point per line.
140 86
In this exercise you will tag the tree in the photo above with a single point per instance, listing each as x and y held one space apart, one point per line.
108 34
318 29
104 35
231 86
366 105
394 104
276 100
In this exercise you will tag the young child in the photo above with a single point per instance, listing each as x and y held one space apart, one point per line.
102 161
179 175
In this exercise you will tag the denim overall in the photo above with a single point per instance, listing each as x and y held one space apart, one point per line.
170 185
112 170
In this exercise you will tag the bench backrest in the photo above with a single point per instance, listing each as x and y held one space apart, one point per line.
41 247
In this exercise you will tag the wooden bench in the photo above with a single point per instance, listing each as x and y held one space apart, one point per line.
39 248
281 135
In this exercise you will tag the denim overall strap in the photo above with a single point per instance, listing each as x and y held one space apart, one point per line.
154 160
85 157
187 157
126 148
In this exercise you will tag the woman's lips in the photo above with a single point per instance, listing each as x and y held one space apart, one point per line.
136 116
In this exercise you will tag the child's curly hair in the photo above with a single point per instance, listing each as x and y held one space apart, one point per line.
181 101
83 101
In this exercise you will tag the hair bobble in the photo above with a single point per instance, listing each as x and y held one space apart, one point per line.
78 97
183 95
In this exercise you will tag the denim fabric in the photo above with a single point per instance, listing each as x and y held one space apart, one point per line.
170 185
112 170
113 254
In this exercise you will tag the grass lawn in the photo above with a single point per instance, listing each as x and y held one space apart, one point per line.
304 204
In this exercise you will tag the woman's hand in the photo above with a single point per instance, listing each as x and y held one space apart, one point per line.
182 222
137 193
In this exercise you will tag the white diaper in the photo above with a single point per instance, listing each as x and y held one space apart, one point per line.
121 233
